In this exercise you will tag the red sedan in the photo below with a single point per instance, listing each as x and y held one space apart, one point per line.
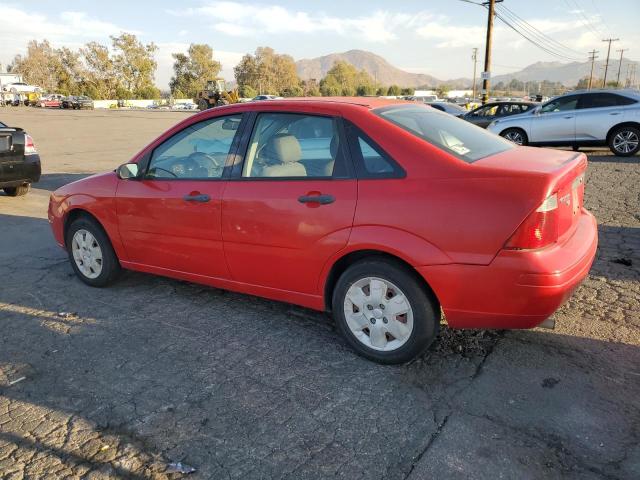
383 212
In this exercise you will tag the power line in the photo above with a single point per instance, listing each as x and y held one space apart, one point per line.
541 36
534 42
585 21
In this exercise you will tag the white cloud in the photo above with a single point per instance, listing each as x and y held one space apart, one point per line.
240 19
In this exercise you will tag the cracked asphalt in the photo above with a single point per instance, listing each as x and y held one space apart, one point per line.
121 382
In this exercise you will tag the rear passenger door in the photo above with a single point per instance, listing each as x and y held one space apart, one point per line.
597 113
289 204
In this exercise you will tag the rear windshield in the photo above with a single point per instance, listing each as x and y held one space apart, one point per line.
453 135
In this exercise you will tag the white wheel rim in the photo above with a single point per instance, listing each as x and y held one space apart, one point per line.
378 314
87 253
625 141
515 137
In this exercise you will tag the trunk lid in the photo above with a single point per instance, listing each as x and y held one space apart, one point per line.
557 172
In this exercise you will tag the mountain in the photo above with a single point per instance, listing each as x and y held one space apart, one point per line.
376 66
567 73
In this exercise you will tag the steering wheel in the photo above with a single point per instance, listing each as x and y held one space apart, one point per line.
215 164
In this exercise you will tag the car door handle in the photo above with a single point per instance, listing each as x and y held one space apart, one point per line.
321 199
614 113
569 116
201 197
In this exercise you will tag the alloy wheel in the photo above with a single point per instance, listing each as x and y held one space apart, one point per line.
515 137
378 314
625 141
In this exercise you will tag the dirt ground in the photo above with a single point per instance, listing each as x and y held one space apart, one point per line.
123 381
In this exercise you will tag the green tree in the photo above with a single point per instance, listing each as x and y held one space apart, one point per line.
192 70
394 90
345 79
267 72
100 80
247 91
135 65
408 91
40 66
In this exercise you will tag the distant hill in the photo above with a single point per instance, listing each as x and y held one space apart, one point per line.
376 66
567 73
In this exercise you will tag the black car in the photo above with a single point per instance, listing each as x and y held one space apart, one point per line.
77 102
484 115
19 161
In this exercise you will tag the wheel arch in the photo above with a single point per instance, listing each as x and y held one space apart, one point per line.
345 261
629 123
76 213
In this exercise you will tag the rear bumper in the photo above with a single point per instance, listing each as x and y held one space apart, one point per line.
27 172
519 289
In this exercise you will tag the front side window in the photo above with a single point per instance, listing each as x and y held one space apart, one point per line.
561 104
292 145
488 111
197 152
453 135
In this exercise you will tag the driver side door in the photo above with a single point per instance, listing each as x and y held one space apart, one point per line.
170 218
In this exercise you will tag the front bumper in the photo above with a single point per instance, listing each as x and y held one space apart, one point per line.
519 289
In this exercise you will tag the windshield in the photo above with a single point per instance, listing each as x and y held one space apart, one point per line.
453 135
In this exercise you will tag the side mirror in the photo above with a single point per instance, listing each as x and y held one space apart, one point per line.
128 171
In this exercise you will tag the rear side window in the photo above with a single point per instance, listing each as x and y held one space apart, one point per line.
602 100
453 135
371 161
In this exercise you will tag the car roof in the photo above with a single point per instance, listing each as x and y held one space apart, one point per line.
368 102
623 91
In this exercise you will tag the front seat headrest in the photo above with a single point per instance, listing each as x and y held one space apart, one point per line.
283 148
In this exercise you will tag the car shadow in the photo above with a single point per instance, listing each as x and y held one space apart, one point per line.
618 255
53 181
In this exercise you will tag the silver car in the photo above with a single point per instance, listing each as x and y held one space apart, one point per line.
580 118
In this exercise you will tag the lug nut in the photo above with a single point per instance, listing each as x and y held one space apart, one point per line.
384 320
373 321
381 307
370 307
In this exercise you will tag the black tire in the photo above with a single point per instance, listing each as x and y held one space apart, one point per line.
203 104
576 148
110 265
630 133
426 316
17 191
511 133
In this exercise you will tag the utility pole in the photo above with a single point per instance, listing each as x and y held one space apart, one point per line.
606 65
622 50
487 50
474 57
592 57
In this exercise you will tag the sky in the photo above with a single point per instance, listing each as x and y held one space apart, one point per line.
428 36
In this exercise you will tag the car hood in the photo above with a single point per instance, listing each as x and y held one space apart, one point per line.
101 184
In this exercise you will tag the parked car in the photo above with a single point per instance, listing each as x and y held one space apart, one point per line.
19 161
382 212
77 102
484 115
265 97
447 107
581 118
50 101
20 87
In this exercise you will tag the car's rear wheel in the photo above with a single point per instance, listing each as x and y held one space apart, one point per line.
625 141
91 253
384 311
515 135
17 191
203 104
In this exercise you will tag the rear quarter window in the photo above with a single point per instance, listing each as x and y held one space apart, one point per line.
453 135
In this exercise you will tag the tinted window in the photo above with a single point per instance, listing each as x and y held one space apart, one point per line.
451 134
292 145
488 111
198 151
512 109
561 104
601 100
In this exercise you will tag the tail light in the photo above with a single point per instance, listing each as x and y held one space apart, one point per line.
29 146
539 229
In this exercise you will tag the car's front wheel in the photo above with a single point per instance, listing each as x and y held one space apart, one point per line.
625 141
384 311
17 191
515 135
91 253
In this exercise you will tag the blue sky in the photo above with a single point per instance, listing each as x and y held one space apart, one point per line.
428 36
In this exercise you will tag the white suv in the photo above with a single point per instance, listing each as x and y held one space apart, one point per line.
580 118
